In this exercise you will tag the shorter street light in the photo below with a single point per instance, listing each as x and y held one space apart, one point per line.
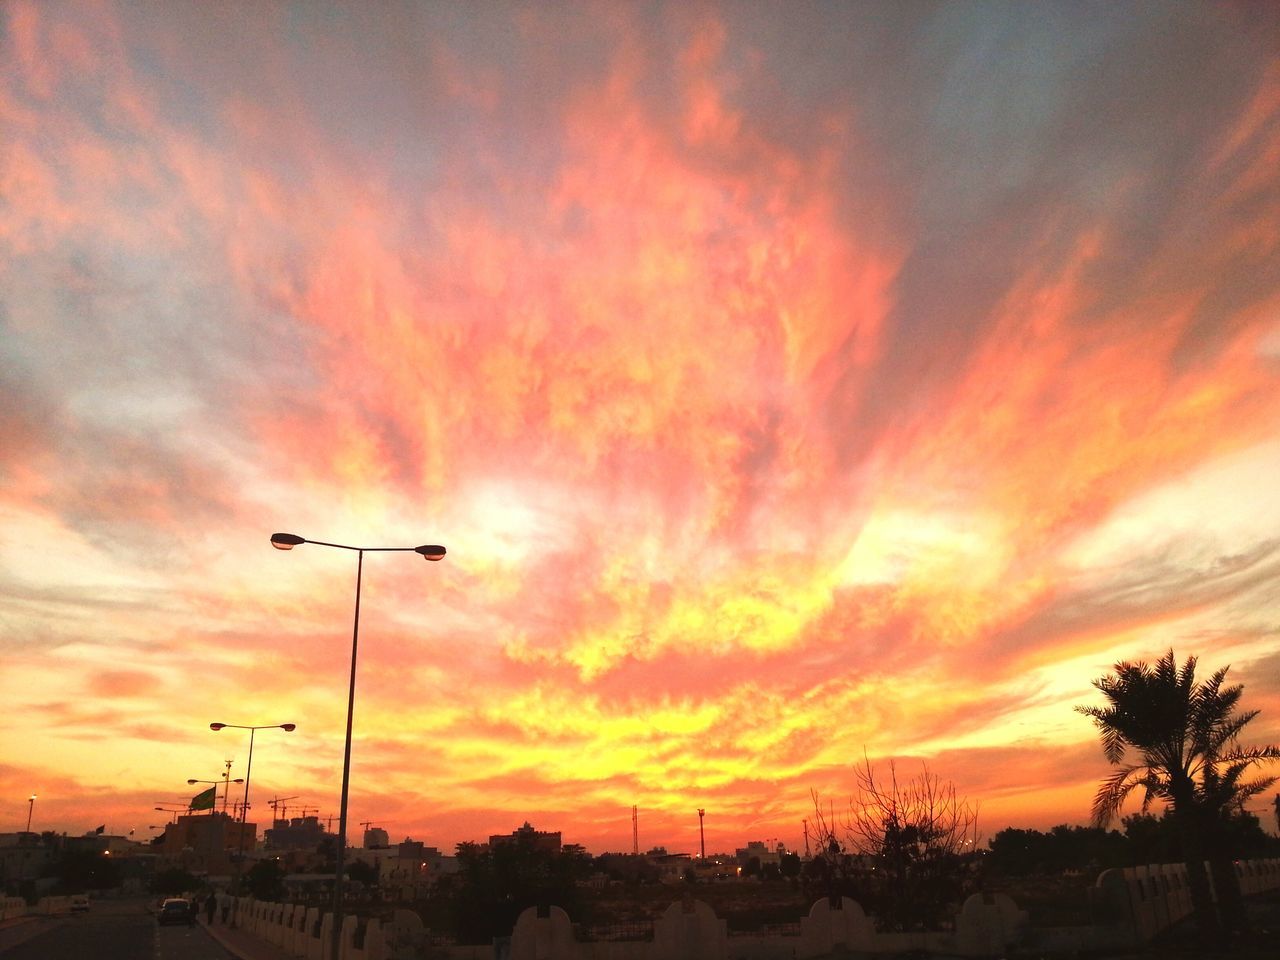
248 772
31 808
286 727
173 810
227 782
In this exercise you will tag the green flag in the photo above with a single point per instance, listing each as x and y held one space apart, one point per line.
206 800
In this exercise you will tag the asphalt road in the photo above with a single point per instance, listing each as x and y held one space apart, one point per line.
113 930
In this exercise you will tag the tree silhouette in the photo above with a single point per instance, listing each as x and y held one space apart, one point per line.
266 880
79 871
173 882
1176 739
907 850
496 882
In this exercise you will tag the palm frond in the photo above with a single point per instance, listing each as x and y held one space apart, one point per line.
1246 791
1115 789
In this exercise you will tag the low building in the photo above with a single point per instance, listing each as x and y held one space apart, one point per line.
528 836
671 866
297 833
208 843
411 868
22 858
762 852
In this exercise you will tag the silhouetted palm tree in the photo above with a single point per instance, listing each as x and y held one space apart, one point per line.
1176 739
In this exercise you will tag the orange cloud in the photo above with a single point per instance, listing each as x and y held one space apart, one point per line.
781 385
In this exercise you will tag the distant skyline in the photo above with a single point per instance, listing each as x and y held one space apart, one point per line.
786 381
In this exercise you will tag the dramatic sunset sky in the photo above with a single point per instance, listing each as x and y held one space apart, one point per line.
785 380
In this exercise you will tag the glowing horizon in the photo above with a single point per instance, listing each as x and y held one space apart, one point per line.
786 382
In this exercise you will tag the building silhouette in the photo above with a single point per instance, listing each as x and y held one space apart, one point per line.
526 835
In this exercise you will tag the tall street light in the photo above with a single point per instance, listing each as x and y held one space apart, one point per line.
287 541
244 810
31 808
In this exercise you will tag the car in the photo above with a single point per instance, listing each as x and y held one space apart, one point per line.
175 910
79 903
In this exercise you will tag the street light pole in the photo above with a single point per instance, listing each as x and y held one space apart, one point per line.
339 878
244 809
287 541
31 808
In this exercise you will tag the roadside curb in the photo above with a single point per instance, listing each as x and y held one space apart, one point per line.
13 934
244 945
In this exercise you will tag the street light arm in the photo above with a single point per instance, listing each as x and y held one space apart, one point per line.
287 541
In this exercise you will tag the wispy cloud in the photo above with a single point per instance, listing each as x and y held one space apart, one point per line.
784 382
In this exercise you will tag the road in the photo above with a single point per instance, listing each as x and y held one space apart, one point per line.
111 930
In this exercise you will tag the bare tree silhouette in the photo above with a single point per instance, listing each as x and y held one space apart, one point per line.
905 848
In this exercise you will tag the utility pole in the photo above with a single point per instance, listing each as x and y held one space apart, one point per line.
635 831
226 787
702 837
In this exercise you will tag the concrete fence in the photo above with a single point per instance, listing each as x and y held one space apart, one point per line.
1134 905
51 906
687 930
11 907
1148 900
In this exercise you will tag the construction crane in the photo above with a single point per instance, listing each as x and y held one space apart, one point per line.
303 811
278 805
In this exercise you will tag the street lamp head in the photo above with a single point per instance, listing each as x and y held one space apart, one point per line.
216 726
431 551
286 541
193 781
288 727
